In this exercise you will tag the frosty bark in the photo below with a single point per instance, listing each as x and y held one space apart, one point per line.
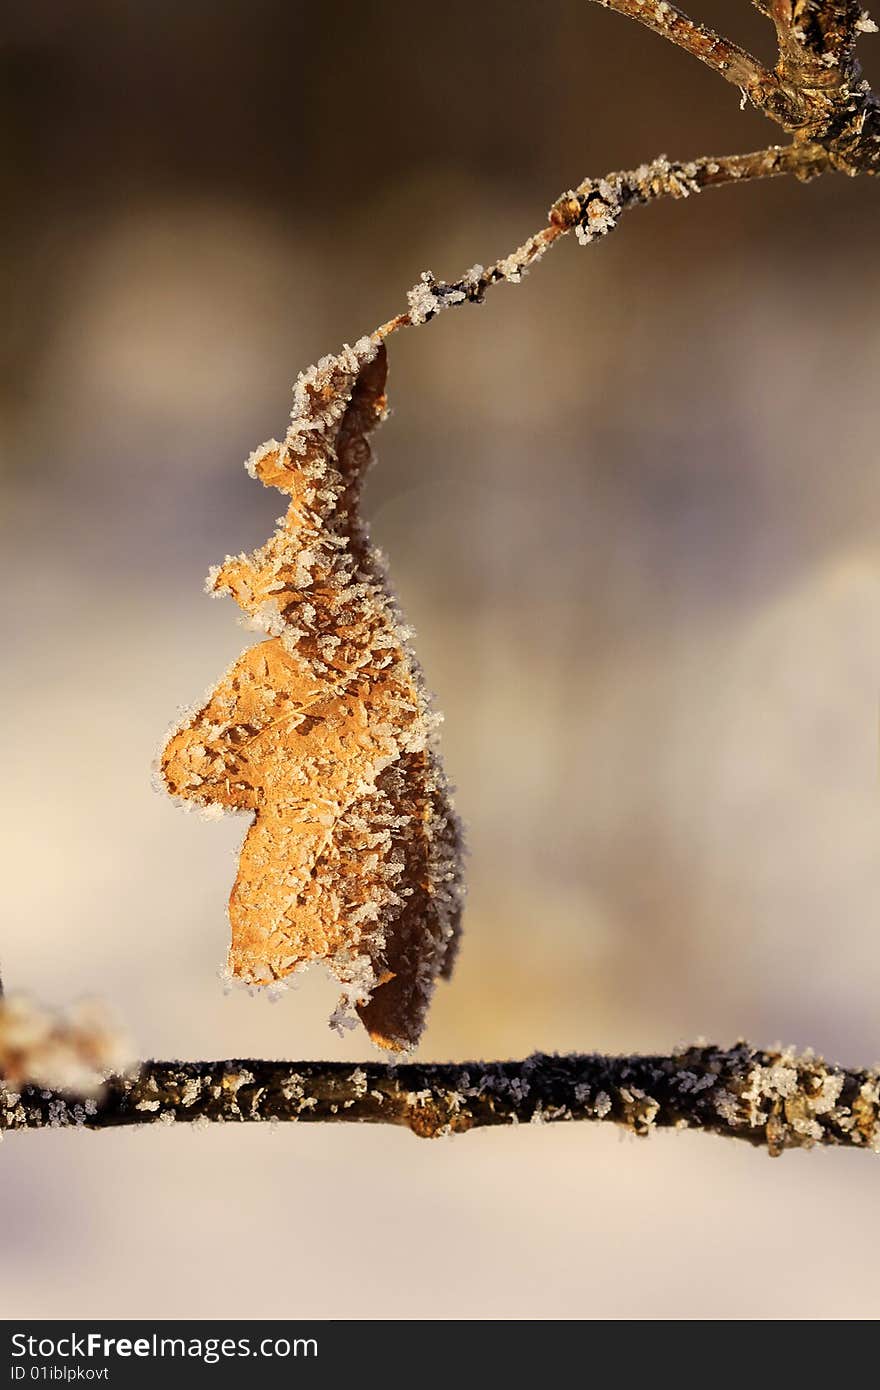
774 1099
593 209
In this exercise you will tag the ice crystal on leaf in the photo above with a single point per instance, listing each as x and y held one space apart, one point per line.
324 733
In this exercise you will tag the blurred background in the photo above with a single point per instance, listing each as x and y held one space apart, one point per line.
632 508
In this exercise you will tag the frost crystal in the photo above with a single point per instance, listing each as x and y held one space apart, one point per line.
422 301
428 297
601 208
324 731
602 1105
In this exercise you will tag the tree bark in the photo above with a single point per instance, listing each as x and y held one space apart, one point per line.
775 1099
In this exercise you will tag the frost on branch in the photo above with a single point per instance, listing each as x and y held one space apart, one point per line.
776 1099
72 1052
324 733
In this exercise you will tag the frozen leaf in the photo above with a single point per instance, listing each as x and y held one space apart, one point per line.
324 732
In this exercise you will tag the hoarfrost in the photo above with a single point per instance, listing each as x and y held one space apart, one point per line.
422 302
602 1104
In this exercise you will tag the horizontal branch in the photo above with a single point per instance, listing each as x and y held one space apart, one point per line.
771 1098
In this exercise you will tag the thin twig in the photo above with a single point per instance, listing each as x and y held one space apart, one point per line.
594 208
770 1098
734 63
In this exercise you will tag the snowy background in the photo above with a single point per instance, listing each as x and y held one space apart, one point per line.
633 510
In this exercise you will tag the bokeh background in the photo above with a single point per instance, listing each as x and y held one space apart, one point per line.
632 507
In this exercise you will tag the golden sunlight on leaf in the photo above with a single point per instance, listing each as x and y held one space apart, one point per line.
325 734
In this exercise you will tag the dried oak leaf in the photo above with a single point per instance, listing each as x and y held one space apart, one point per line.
325 733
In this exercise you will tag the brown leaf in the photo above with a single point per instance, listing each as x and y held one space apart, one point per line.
324 732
